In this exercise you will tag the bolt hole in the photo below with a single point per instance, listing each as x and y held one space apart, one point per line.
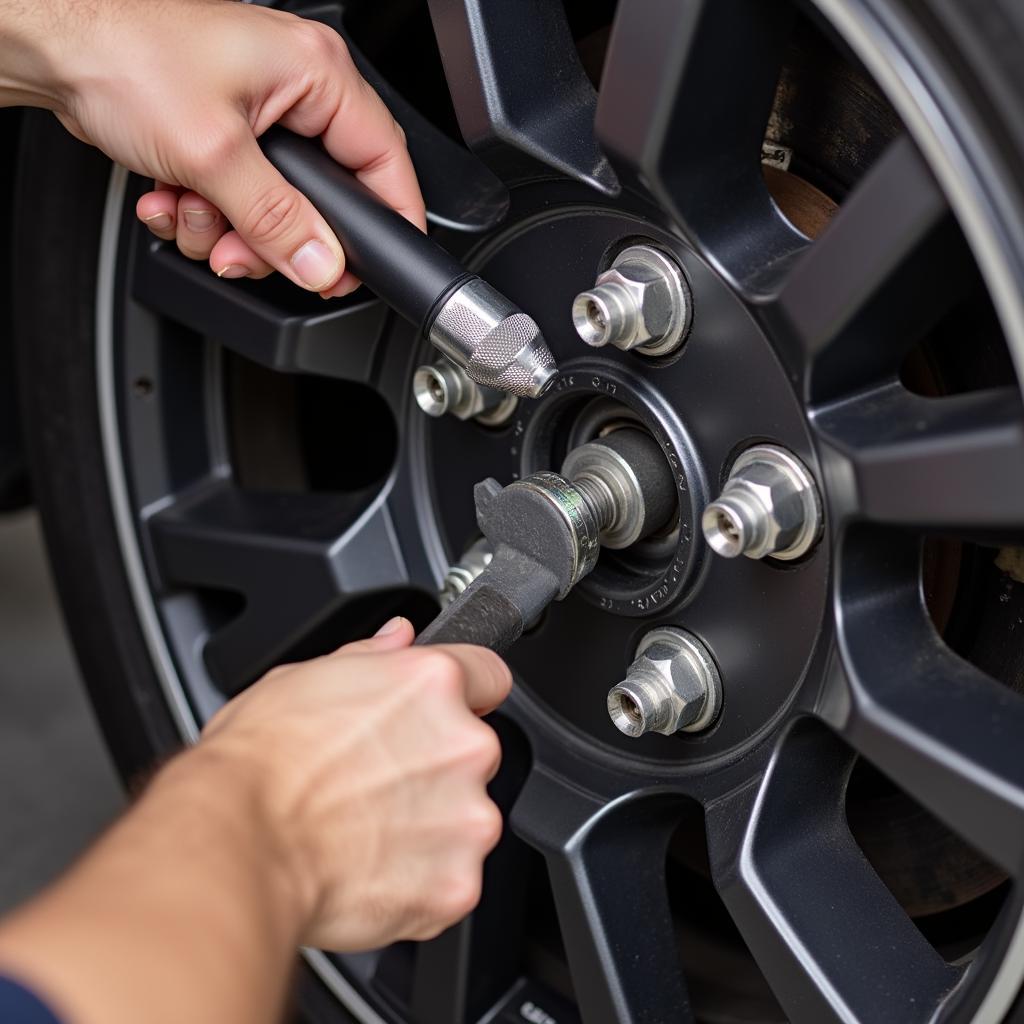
629 707
436 390
595 317
142 387
728 528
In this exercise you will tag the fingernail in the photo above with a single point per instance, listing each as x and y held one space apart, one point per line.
199 220
316 265
391 626
159 221
233 270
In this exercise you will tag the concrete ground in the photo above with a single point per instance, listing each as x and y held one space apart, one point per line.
58 787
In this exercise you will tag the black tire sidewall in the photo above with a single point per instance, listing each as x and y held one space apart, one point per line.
60 196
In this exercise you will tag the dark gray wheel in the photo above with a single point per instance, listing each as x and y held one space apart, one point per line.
233 474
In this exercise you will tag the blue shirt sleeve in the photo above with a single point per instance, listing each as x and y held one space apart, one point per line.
19 1006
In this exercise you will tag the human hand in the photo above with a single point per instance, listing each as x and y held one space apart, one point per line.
180 91
370 768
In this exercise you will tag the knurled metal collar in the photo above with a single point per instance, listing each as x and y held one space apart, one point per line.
497 344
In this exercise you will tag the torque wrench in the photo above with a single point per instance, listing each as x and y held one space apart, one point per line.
472 323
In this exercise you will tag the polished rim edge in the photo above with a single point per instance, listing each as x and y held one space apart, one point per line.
117 483
877 47
878 50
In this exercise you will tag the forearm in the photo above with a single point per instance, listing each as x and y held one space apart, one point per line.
29 73
180 909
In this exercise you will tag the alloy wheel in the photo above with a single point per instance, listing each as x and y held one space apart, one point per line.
843 842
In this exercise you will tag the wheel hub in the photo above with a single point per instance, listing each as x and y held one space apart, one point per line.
722 392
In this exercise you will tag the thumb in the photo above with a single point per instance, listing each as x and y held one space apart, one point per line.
274 219
395 634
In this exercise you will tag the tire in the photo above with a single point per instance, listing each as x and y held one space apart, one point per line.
57 383
130 606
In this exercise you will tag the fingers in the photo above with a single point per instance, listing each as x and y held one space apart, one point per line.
200 225
158 210
365 137
231 258
275 227
274 219
355 124
487 679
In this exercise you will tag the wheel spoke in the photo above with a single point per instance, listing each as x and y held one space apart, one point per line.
459 190
607 869
938 727
830 938
463 974
518 85
866 291
304 336
684 101
295 558
949 464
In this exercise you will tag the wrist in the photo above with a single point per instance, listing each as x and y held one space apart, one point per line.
30 66
230 796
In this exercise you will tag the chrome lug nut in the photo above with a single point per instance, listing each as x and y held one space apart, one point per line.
641 302
474 560
672 686
769 507
442 387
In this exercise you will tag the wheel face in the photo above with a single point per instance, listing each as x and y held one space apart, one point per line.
862 779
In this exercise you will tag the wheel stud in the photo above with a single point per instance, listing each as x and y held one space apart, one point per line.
442 387
672 686
474 560
769 506
641 302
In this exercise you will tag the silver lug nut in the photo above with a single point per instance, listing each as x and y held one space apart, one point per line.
672 686
442 387
641 302
474 560
769 506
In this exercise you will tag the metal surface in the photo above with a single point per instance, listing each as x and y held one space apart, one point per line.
585 513
768 507
641 302
442 387
460 574
520 92
622 472
545 534
673 685
496 344
460 193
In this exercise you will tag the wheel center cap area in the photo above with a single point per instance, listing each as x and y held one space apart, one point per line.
723 391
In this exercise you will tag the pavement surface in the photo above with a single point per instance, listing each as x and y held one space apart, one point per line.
58 787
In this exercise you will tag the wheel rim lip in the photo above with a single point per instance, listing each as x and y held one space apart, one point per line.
994 257
884 47
860 24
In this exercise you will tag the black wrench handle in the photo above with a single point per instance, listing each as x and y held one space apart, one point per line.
482 615
407 269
